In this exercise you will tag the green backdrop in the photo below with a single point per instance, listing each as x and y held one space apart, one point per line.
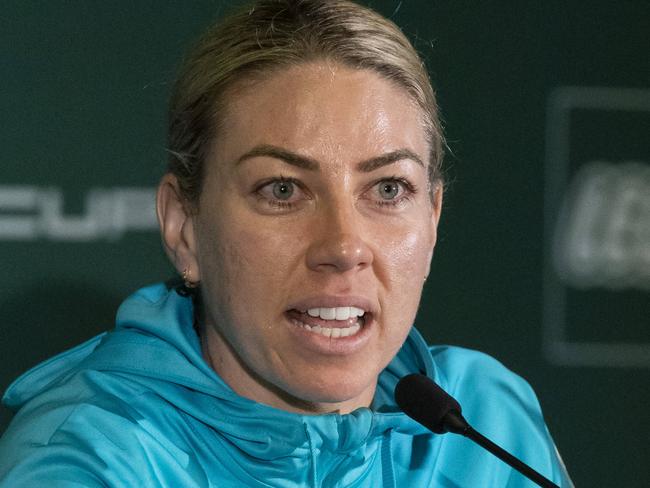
83 91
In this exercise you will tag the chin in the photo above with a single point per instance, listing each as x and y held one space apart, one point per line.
334 394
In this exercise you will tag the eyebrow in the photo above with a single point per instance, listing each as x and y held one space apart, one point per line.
281 154
307 163
388 158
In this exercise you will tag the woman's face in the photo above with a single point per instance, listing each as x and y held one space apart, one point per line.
314 233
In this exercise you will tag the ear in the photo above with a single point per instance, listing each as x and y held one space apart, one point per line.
177 227
437 204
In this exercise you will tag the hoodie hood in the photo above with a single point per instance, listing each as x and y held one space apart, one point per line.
154 345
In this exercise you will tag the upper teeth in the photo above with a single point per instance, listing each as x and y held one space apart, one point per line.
335 313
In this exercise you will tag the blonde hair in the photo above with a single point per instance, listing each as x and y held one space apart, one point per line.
272 34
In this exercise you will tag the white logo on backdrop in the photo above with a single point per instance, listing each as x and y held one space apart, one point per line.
30 213
603 233
596 226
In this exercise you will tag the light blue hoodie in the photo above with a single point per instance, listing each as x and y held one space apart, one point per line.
139 407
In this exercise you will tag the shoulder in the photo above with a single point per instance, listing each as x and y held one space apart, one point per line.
489 393
91 429
462 359
474 374
500 405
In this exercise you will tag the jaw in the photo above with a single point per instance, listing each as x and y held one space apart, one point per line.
299 379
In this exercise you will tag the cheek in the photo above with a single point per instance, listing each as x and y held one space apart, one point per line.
406 256
405 263
266 253
246 264
404 259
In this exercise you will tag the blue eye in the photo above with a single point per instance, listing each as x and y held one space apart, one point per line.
391 193
388 189
282 190
280 194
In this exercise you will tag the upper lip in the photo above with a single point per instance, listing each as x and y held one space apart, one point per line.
331 301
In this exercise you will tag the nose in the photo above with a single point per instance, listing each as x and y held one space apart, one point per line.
339 243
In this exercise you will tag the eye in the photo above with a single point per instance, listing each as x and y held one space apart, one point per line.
392 192
280 194
282 190
388 189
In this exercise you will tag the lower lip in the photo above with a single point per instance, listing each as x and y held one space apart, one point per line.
338 346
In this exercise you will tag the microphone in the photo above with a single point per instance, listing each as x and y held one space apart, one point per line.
425 402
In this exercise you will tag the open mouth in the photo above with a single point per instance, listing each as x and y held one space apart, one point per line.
332 322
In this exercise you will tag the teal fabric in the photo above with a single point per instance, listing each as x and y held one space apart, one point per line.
139 407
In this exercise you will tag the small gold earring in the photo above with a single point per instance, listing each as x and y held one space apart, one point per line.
186 279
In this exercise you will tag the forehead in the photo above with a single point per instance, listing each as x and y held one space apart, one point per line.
323 110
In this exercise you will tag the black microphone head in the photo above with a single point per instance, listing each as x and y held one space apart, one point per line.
424 401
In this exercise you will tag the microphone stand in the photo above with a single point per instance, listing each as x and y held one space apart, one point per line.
456 423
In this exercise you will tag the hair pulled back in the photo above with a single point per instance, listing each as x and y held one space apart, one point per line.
273 34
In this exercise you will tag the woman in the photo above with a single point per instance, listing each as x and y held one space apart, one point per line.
300 208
